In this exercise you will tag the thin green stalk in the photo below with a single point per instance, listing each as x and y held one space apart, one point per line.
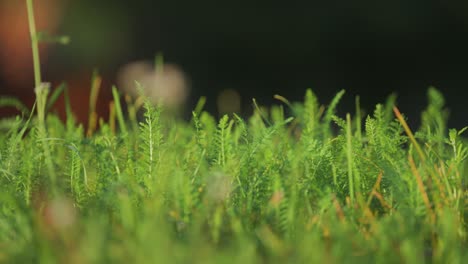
42 91
34 43
409 133
93 96
358 119
118 110
349 154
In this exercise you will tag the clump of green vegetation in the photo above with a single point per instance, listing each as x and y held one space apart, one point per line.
312 187
298 185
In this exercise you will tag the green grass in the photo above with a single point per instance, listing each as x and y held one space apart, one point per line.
294 183
301 185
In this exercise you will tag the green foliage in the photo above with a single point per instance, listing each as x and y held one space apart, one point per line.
151 140
273 188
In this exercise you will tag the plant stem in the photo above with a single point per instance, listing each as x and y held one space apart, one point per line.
409 133
349 153
118 110
358 120
42 92
34 43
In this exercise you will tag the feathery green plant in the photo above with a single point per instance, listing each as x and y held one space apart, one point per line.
150 145
272 183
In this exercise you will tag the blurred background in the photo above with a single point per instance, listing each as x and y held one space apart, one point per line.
243 49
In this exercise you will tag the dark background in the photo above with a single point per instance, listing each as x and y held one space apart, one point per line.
261 48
